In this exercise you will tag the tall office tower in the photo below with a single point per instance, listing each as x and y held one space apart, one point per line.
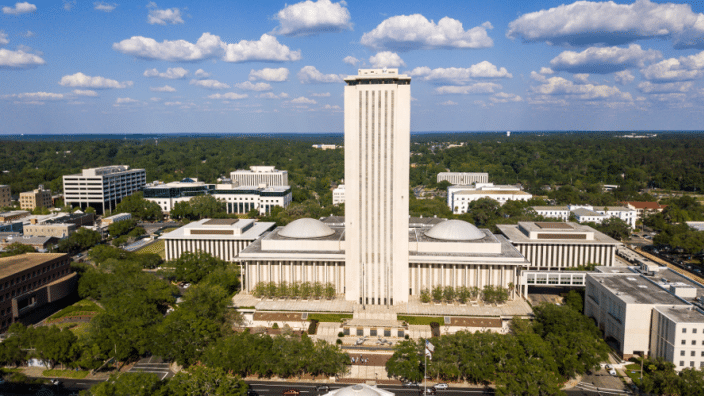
377 146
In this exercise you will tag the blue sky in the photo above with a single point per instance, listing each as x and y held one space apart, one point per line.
269 66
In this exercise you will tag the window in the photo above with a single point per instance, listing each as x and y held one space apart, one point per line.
684 342
684 330
360 331
693 353
694 331
681 353
694 342
681 363
691 364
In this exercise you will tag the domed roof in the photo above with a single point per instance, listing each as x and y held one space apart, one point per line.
306 228
455 230
359 390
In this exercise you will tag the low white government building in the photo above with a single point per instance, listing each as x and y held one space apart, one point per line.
338 195
257 175
649 310
560 245
222 238
463 178
459 197
588 213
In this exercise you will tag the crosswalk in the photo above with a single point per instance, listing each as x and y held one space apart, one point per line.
602 391
152 365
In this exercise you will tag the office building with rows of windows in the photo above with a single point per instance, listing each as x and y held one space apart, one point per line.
257 175
102 188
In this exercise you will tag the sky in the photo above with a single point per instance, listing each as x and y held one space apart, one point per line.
75 67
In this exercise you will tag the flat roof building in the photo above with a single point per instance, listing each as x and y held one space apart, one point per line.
5 196
257 175
459 197
242 199
30 280
103 188
338 195
463 178
39 198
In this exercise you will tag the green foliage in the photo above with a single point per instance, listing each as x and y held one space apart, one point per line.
80 306
422 320
313 326
406 362
329 317
199 207
193 267
205 381
81 240
16 248
615 228
132 384
120 228
575 300
139 208
49 344
294 290
425 296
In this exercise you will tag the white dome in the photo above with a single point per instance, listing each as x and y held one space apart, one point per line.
455 230
360 390
306 228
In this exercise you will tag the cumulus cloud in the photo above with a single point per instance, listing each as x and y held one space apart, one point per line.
210 84
19 8
3 38
228 96
457 74
249 86
84 92
586 22
35 96
309 74
561 86
19 59
411 32
386 59
684 68
321 94
103 6
310 18
478 88
163 17
449 103
208 46
624 77
68 5
603 60
165 88
200 73
351 60
172 73
546 70
271 95
332 107
267 74
503 97
120 101
673 87
581 78
83 81
538 76
303 100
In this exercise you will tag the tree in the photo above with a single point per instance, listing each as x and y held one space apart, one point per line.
17 248
53 345
406 362
615 228
575 301
81 240
129 384
140 208
204 381
121 227
193 267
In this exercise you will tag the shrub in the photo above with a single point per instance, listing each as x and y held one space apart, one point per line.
338 342
425 296
318 290
330 291
437 293
313 326
275 326
406 336
340 334
449 294
463 295
282 290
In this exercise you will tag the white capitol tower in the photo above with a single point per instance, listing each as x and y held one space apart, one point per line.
377 143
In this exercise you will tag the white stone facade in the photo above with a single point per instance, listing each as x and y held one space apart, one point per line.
588 213
459 197
338 195
257 175
103 188
463 178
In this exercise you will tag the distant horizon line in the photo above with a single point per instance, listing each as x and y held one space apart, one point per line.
341 133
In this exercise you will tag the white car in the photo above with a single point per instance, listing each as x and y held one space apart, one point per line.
441 386
613 372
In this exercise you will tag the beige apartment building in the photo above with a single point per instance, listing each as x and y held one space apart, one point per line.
5 194
39 198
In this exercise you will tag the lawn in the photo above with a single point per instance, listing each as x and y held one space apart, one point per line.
422 320
329 317
633 371
79 329
80 374
156 247
83 307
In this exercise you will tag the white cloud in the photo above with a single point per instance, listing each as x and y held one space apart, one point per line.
83 81
457 74
210 84
449 103
28 34
30 96
673 87
68 5
19 59
249 86
386 59
581 78
624 77
163 17
267 74
103 6
351 60
208 46
271 95
586 22
309 74
539 77
546 70
85 92
165 88
561 86
200 73
603 60
120 101
478 88
681 69
171 73
228 96
3 38
155 99
332 107
503 97
303 100
321 94
19 8
309 18
410 32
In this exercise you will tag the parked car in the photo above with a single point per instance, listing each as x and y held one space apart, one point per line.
441 386
322 388
613 372
411 384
